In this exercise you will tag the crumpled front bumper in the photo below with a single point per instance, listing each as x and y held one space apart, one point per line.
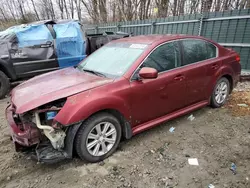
27 136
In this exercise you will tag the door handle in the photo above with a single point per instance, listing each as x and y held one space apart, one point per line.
179 78
46 45
215 66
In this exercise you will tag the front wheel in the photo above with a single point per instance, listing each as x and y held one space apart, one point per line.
98 137
220 93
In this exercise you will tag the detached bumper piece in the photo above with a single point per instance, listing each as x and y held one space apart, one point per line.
49 155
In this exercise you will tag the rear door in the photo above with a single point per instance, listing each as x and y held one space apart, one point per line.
199 64
32 51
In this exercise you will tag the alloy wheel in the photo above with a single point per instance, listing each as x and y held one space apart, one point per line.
221 92
101 138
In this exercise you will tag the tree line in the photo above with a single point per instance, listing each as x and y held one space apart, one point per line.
100 11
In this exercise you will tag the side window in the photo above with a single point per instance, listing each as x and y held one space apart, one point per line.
211 50
197 50
33 35
163 58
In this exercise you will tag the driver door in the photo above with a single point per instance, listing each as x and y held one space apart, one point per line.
32 51
153 98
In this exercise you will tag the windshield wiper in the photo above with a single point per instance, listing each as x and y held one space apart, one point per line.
94 72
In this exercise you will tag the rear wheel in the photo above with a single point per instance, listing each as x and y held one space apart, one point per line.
220 93
98 137
4 85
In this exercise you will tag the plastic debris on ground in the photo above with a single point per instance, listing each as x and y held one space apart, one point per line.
242 105
193 161
172 129
191 117
233 168
211 186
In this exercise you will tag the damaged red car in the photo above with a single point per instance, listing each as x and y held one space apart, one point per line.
124 88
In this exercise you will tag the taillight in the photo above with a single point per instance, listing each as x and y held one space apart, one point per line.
237 58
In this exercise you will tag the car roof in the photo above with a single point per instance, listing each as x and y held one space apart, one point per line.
150 39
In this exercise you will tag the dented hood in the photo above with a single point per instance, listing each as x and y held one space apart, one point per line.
52 86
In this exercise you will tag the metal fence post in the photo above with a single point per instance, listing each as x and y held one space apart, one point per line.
118 27
153 27
201 18
96 30
200 26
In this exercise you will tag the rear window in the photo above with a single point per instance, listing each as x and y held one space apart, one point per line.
197 50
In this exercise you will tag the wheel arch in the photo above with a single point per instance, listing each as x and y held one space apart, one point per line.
230 79
125 124
72 130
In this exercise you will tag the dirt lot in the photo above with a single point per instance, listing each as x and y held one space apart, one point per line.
155 158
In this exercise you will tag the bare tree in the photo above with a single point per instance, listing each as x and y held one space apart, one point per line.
52 9
143 9
92 9
48 7
66 9
194 6
113 11
207 5
225 4
61 7
3 14
97 11
20 8
71 7
218 4
128 9
102 5
248 4
78 9
11 8
162 6
244 4
181 7
175 8
34 7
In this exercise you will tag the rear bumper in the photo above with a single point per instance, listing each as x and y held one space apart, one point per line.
27 136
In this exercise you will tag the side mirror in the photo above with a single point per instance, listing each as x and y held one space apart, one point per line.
148 73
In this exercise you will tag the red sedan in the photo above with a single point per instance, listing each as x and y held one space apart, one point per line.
124 88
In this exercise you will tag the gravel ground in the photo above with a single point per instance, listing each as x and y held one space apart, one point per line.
155 158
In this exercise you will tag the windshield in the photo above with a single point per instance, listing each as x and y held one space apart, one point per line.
112 60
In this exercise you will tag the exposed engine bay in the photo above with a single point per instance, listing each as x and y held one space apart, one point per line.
43 118
51 142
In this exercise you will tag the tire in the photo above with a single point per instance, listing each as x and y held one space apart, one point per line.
220 101
83 137
4 85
